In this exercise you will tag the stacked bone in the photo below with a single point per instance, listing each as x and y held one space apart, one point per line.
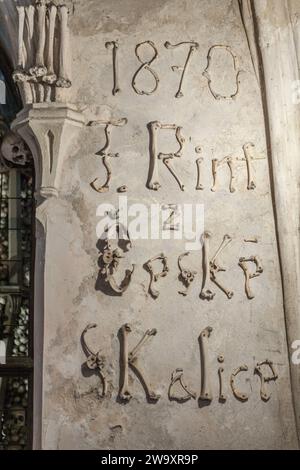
13 432
3 227
43 55
20 340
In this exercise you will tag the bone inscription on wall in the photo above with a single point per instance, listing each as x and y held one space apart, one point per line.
210 267
146 66
43 55
177 390
233 162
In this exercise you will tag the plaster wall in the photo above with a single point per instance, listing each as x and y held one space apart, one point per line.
244 331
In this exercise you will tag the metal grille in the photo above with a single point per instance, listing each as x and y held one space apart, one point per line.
16 322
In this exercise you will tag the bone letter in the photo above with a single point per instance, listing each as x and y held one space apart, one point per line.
206 294
248 276
153 182
124 393
249 156
264 394
199 162
131 359
222 397
205 394
115 46
239 395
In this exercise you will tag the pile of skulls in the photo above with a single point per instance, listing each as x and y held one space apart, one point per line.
13 431
3 227
20 339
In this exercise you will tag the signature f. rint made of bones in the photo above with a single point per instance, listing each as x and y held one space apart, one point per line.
186 275
250 155
177 377
153 177
95 361
105 153
131 359
36 71
207 74
243 263
193 46
154 277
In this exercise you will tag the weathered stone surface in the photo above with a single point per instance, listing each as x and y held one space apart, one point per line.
244 331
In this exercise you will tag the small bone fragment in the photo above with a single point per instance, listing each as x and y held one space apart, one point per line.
251 240
122 189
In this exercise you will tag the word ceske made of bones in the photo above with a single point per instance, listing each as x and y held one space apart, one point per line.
210 267
232 162
147 66
178 390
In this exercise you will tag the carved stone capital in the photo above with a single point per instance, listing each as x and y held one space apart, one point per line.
49 130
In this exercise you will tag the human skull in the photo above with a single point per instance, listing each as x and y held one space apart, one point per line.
14 149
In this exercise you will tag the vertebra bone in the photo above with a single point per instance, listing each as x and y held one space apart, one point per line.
186 275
